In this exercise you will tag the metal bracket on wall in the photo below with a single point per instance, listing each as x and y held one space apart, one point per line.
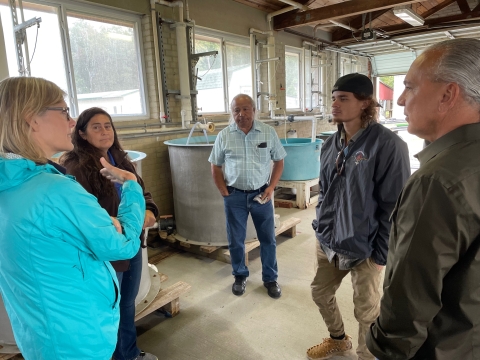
193 78
20 37
162 68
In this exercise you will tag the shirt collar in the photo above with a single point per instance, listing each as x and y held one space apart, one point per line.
465 133
255 126
341 131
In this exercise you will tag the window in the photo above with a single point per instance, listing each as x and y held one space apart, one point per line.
222 77
292 78
239 70
209 76
95 58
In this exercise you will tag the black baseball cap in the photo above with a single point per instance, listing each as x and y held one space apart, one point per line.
355 83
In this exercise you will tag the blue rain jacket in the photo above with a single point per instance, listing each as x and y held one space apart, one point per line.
59 289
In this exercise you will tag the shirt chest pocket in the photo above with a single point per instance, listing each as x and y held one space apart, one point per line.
262 155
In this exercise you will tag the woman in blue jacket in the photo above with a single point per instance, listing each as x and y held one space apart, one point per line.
94 137
59 289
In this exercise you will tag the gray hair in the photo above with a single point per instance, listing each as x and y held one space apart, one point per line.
230 120
458 63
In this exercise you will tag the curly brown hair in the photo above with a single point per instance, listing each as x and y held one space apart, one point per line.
87 157
369 114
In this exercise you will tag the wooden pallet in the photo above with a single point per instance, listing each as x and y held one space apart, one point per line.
303 197
221 253
167 299
10 356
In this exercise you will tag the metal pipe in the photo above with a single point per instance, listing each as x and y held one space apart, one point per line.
296 4
337 23
258 84
161 106
293 118
267 60
272 83
253 30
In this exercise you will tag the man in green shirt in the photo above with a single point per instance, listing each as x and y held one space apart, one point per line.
431 303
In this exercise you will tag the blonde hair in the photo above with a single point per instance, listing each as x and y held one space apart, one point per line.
21 98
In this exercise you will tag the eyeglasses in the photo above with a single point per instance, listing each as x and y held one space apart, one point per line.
340 162
64 110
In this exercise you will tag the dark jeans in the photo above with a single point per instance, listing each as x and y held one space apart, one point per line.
237 207
129 282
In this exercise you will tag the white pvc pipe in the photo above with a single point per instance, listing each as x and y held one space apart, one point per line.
311 118
278 12
253 66
295 4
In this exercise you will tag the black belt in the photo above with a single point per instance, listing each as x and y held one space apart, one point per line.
249 191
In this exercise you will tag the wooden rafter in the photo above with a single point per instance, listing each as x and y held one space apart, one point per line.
429 24
349 8
356 23
436 8
463 5
477 8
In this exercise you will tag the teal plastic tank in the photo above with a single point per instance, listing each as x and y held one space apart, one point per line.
303 159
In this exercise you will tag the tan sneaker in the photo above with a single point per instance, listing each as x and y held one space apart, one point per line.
330 348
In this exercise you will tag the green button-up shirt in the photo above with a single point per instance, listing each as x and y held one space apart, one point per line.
431 303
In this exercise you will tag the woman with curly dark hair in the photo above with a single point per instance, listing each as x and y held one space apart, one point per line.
95 137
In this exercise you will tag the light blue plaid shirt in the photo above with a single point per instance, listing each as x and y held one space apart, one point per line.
247 158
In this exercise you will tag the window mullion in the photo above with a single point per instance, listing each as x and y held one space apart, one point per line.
67 53
225 75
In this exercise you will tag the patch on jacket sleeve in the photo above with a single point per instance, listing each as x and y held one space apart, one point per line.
359 157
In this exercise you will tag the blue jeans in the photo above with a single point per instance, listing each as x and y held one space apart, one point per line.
237 207
129 282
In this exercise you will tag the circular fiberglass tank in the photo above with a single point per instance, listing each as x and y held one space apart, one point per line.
303 159
199 209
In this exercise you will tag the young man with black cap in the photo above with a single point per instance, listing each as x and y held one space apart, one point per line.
363 169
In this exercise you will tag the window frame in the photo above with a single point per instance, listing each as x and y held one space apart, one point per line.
224 38
301 81
100 12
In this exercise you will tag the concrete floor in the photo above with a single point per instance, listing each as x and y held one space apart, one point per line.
215 324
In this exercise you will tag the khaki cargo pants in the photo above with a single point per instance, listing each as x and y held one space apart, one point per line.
366 297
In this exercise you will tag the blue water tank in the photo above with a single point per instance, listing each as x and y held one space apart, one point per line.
303 159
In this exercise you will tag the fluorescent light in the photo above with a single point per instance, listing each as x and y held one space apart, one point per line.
408 16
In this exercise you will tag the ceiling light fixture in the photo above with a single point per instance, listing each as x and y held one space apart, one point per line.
408 16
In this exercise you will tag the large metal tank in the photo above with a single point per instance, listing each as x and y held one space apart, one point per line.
199 209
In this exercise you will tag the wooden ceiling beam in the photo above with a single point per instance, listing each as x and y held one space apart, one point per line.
349 8
436 8
403 29
477 8
463 5
357 24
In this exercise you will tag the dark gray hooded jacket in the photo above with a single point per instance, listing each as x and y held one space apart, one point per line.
354 208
